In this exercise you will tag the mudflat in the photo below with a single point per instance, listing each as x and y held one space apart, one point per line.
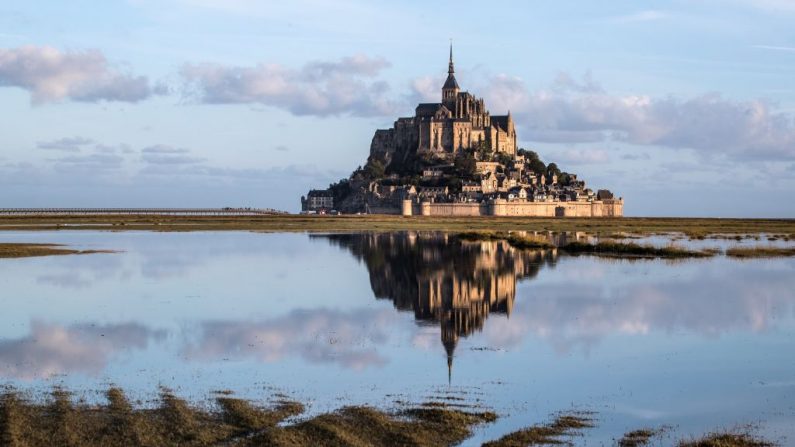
691 227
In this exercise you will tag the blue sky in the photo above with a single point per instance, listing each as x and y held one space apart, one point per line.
684 108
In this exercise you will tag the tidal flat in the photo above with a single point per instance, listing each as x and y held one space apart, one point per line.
350 324
696 228
118 422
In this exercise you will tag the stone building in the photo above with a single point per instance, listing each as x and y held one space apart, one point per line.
459 122
317 200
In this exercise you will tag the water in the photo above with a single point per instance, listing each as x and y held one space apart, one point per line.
376 319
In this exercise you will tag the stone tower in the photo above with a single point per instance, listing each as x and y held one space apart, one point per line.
450 88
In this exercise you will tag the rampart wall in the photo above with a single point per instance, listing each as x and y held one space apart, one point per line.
601 208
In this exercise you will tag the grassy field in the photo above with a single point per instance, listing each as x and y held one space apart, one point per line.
760 252
695 228
236 422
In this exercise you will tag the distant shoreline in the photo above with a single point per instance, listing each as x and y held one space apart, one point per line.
690 227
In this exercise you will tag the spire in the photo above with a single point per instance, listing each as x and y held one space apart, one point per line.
450 87
451 69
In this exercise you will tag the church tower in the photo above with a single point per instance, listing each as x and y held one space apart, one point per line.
450 88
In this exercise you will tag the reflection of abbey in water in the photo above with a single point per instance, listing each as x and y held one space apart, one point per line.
443 279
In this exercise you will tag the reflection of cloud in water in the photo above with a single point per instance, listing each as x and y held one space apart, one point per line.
717 300
162 256
65 280
318 336
52 349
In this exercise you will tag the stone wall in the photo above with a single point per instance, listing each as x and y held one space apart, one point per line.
605 208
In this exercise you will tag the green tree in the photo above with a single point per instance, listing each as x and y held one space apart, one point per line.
374 169
552 168
537 166
465 164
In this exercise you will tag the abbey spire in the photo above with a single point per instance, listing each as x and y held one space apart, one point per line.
450 88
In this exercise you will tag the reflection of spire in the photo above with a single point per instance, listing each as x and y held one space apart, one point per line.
449 341
441 279
449 347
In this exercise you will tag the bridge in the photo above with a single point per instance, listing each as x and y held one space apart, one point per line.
139 211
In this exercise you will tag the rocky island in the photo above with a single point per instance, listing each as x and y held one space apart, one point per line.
453 158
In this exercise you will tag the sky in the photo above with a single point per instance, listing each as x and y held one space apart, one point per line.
683 108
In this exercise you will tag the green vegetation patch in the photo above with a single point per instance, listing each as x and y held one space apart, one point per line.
24 250
611 248
760 252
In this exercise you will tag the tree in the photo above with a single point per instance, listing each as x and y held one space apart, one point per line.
552 168
484 151
374 169
537 166
504 158
465 164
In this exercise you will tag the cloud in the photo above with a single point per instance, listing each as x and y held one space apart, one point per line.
734 297
642 16
774 48
68 144
318 336
52 75
633 157
563 82
52 349
425 89
168 155
90 163
319 88
581 156
281 148
708 123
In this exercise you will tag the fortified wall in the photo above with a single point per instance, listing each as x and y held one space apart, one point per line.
501 207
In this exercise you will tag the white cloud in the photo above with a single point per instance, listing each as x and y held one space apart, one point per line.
162 154
709 123
52 75
642 16
580 156
67 144
318 88
51 349
348 339
774 48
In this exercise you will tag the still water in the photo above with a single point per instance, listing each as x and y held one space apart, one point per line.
376 319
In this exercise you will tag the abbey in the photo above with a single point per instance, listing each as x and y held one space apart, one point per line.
454 158
459 122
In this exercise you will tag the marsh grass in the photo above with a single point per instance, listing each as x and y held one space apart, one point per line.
234 422
612 248
727 439
760 252
689 227
25 250
60 421
553 433
640 437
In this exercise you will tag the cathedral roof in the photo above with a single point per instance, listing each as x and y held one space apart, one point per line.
501 121
427 108
450 82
